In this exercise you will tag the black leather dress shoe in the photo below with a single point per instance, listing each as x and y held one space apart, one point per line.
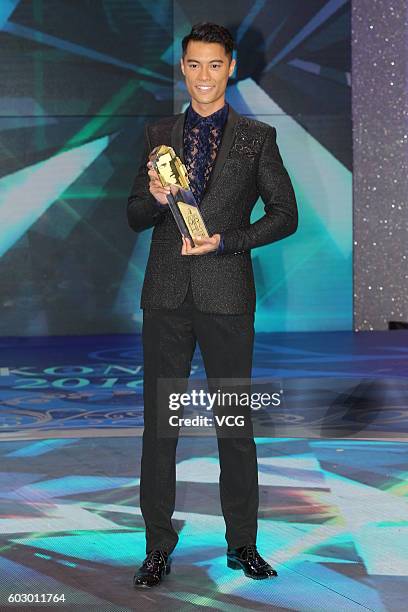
248 559
152 570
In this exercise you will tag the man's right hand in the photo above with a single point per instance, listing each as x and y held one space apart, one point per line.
155 187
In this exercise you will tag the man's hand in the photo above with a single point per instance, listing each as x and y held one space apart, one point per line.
155 187
203 245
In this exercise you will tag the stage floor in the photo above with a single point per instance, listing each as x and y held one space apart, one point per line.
333 515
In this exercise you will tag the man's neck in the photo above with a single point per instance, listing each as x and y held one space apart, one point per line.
205 110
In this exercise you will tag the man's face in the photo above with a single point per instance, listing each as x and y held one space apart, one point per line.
206 68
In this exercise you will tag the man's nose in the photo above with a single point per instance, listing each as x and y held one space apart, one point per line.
204 74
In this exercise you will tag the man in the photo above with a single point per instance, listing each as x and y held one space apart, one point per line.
205 293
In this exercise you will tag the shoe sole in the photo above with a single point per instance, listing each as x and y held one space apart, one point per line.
235 565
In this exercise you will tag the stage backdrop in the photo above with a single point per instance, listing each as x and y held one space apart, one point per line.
80 78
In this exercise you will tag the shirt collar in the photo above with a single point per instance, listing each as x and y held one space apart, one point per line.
216 119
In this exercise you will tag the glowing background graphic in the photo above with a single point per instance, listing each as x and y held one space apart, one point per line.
71 118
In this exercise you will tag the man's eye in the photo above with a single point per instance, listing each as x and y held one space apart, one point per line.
216 65
193 65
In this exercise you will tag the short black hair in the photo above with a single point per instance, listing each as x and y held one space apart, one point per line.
211 33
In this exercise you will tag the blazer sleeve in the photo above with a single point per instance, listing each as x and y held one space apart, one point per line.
143 211
276 190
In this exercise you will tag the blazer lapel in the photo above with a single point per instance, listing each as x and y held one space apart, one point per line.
225 146
177 136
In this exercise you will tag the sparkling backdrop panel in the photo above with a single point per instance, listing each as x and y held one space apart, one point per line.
380 113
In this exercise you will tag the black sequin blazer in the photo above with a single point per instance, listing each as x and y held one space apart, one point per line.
248 165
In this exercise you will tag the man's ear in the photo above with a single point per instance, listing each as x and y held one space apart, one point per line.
182 66
232 67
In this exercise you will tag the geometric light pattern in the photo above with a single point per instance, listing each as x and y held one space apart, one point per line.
26 194
313 526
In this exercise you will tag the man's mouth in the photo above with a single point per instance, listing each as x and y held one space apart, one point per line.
204 87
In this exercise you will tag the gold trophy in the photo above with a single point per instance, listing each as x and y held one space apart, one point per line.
172 172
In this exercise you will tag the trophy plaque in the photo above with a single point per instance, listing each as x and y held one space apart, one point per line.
172 172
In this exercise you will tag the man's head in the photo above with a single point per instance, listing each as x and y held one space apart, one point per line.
207 64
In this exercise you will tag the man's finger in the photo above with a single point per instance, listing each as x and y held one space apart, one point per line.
202 250
159 187
207 247
204 241
155 183
199 251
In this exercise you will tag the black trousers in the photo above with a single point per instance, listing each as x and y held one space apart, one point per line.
226 344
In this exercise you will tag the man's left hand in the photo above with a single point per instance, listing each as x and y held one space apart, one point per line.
203 245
